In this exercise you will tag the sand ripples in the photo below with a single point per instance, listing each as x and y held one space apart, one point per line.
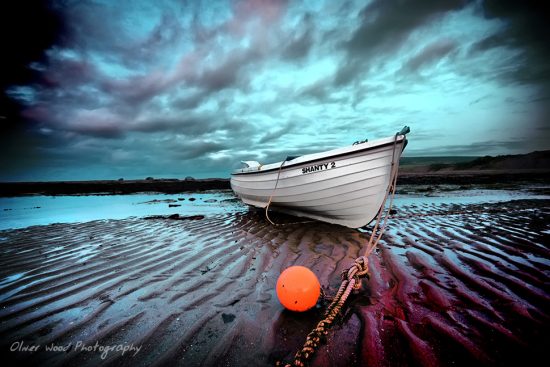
451 284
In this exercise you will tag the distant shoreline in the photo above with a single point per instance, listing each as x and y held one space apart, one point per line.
473 177
111 187
532 167
174 186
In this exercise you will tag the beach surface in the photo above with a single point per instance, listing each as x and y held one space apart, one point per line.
461 277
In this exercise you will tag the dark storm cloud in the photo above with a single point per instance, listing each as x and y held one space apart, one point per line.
350 70
27 29
135 90
430 54
321 91
190 101
115 41
73 95
100 129
232 69
277 133
481 99
299 46
318 90
197 149
385 26
76 94
64 72
192 125
228 73
526 30
152 85
490 42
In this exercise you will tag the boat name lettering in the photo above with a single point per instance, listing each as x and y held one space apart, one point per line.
319 167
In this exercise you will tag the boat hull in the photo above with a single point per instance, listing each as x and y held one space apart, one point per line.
345 186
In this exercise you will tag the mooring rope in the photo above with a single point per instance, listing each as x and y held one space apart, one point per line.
373 240
351 277
271 198
273 192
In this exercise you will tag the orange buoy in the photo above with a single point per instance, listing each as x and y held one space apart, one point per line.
298 288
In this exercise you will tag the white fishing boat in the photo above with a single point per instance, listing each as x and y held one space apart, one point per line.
345 186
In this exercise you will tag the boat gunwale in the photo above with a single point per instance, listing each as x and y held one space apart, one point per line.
372 147
282 179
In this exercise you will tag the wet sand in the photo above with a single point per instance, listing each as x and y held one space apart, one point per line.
451 285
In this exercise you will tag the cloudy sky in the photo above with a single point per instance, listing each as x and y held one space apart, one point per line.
109 89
